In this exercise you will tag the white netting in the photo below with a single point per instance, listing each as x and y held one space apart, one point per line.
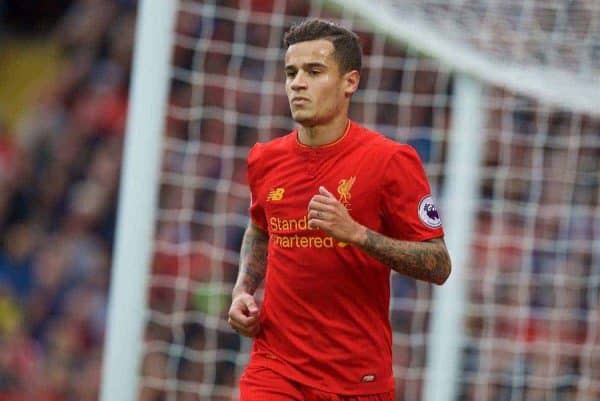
564 35
532 318
533 321
548 49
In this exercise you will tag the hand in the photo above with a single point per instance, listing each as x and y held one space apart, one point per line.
330 215
243 315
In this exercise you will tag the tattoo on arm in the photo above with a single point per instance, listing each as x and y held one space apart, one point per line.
428 261
253 259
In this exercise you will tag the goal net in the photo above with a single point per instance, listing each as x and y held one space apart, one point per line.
532 313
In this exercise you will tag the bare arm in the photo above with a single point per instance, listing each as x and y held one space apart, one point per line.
253 260
427 260
244 312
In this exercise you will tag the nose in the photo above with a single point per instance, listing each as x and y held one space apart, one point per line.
299 81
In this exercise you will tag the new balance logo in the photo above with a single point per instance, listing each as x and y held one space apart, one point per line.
275 194
368 378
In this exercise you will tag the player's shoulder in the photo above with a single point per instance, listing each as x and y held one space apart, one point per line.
270 148
265 156
383 146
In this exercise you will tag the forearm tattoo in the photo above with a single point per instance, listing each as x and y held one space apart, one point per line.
253 260
427 261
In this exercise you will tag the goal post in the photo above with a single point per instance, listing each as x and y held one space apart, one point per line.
447 321
127 307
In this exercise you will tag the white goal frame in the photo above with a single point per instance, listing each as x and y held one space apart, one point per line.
137 200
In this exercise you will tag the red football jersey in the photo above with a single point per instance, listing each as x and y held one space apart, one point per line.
325 315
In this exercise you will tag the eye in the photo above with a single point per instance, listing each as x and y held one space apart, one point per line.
314 72
290 74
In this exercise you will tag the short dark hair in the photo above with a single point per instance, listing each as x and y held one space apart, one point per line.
347 53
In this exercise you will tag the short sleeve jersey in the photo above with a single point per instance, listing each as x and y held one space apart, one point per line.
325 314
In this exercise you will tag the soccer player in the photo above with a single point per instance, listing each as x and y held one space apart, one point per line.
334 208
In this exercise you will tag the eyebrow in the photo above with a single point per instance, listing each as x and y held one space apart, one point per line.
306 66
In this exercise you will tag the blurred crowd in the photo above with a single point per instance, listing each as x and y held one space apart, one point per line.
59 174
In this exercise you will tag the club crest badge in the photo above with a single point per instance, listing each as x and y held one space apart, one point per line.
343 190
428 212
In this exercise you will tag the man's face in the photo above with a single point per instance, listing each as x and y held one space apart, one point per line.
316 90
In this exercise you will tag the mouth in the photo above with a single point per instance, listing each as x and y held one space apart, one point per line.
299 100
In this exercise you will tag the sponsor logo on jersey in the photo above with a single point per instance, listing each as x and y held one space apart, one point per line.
344 188
275 194
428 212
289 225
302 241
287 233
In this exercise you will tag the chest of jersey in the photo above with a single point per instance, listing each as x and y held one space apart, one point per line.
288 189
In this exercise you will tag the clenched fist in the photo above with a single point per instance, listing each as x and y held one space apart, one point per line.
243 314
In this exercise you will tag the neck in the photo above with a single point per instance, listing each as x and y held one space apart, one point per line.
320 135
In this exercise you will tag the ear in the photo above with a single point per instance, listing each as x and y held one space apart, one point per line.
351 81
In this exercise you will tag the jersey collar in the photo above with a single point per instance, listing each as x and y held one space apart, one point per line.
327 148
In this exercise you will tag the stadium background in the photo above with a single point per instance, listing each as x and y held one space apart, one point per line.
64 74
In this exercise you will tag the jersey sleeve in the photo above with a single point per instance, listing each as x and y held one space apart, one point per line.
409 210
256 209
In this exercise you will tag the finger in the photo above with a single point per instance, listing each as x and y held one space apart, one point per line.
318 223
242 319
321 207
324 199
245 304
319 215
238 326
248 332
313 214
242 326
251 306
325 192
240 313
